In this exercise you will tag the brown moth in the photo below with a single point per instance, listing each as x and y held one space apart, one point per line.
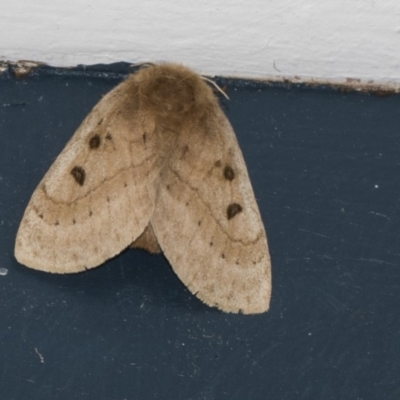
155 165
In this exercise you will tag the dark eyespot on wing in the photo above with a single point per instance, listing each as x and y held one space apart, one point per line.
185 150
233 209
79 175
229 174
94 141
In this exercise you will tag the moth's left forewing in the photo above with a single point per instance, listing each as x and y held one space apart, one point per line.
99 194
207 221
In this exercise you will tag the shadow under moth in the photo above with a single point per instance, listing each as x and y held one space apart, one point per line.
155 165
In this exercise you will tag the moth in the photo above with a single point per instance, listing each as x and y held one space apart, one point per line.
155 165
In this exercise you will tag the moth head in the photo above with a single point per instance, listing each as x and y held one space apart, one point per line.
173 93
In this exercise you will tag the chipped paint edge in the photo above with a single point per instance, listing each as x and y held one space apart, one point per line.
21 69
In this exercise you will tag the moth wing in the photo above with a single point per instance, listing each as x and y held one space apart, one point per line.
207 221
98 196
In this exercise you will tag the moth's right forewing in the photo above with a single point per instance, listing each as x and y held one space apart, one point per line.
207 221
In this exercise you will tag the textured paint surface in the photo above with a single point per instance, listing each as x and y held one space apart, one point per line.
334 39
323 164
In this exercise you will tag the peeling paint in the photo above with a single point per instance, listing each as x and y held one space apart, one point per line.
20 69
24 68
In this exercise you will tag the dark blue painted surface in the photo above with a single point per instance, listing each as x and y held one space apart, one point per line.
325 167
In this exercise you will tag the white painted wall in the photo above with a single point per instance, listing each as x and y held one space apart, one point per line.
323 39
